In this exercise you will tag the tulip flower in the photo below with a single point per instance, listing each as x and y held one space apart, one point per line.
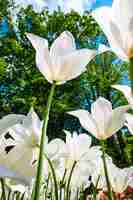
98 175
116 22
77 161
63 62
126 90
103 121
78 148
24 139
119 178
21 160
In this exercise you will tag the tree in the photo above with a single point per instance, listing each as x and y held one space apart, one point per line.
23 86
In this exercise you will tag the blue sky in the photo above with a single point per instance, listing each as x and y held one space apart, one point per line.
102 3
66 5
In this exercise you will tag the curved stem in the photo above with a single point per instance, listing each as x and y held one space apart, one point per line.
3 189
110 197
38 183
94 194
54 177
69 180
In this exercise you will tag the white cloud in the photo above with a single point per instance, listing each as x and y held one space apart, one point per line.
66 5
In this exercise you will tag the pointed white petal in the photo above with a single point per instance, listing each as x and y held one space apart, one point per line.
117 41
38 43
74 64
86 121
126 90
129 122
63 45
117 121
101 111
33 122
42 55
123 14
104 18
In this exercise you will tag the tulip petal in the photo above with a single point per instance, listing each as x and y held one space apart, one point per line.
129 122
9 121
86 120
54 148
126 90
18 132
63 45
123 14
74 64
18 162
80 145
104 18
33 122
42 55
101 111
117 121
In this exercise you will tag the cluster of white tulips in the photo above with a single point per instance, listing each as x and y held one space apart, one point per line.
31 167
70 166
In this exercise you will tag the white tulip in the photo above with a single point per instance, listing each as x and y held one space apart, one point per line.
78 149
21 161
126 90
63 62
98 174
25 137
117 24
119 178
103 121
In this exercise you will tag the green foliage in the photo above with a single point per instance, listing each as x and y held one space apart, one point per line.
3 66
4 7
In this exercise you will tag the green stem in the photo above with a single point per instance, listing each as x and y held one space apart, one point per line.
95 189
106 172
47 185
54 177
38 183
3 189
130 71
69 181
62 181
22 196
9 195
